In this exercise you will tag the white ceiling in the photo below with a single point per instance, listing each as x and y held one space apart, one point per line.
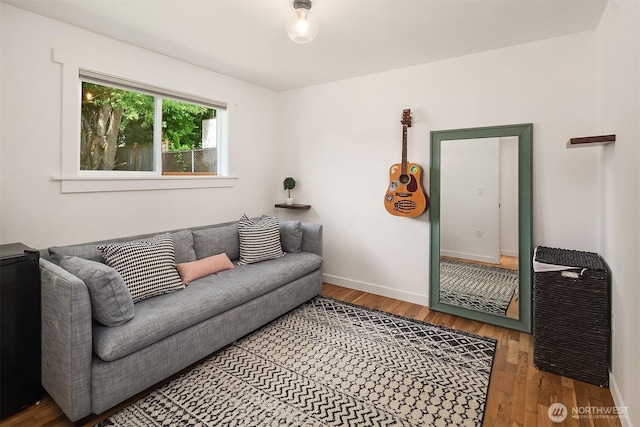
246 38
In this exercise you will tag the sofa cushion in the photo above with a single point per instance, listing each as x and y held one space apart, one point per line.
259 239
291 236
90 252
182 243
111 302
217 240
183 246
190 271
148 266
159 317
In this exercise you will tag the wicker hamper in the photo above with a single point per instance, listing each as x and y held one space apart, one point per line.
571 314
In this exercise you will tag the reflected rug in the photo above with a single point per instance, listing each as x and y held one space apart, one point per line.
477 287
330 363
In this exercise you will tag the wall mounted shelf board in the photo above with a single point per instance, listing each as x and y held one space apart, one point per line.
591 141
293 206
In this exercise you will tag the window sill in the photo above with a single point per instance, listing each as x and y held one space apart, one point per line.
87 184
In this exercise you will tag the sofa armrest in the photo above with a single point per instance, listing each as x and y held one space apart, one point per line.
66 340
312 238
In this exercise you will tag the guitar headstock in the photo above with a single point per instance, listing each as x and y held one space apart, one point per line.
406 117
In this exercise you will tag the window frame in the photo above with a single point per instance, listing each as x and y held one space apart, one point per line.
75 180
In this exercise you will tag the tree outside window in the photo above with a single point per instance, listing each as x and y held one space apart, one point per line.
117 132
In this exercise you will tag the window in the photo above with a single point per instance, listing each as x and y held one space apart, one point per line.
132 129
84 169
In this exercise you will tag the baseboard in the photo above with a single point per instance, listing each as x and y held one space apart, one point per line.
377 289
471 257
617 399
509 253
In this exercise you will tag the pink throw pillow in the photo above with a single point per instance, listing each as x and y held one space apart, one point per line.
190 271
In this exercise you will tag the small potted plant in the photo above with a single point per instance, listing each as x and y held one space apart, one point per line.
289 184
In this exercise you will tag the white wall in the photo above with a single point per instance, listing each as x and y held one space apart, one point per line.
470 190
32 208
618 83
340 138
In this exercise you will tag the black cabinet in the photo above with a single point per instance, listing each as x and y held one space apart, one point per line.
20 328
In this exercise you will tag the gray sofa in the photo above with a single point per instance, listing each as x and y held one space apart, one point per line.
88 367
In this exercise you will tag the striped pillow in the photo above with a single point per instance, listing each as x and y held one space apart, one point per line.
148 266
259 241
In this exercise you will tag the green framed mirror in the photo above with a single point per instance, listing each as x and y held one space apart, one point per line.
481 224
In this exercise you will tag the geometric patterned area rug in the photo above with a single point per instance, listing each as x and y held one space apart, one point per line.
477 287
329 363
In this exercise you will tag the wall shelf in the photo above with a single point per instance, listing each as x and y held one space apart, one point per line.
293 206
591 141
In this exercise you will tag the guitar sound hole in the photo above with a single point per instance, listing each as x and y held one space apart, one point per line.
410 182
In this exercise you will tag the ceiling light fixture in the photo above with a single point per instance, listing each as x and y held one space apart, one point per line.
301 26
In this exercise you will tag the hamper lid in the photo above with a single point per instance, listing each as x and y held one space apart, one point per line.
554 259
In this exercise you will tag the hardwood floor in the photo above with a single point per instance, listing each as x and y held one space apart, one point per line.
519 394
508 262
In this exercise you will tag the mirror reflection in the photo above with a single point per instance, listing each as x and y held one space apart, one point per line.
479 224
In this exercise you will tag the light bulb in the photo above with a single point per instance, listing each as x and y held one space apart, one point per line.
302 27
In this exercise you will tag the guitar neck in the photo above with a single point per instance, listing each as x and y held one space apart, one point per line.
404 149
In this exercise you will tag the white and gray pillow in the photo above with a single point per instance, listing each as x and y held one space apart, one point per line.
148 266
259 239
111 302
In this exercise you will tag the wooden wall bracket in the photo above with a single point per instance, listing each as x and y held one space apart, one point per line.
591 141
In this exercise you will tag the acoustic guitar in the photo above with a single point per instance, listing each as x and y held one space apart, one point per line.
405 195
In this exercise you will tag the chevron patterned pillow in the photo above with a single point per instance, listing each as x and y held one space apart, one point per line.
148 266
259 240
